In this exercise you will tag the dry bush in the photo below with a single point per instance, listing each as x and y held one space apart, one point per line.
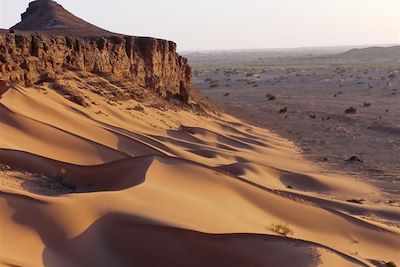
282 229
283 110
351 110
365 104
270 97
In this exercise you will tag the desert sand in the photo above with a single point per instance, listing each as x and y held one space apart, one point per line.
172 188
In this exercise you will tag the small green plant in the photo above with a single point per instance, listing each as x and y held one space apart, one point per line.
282 229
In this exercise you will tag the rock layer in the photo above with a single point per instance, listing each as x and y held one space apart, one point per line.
145 62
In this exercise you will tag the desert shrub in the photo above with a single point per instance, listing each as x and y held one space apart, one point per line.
214 85
283 110
351 110
270 97
365 104
282 229
339 93
354 159
65 181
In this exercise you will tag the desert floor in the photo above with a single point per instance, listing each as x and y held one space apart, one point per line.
316 91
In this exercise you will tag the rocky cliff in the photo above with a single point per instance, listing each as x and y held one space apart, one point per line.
49 41
145 62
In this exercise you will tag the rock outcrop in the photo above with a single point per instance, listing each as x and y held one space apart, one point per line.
48 16
50 41
145 62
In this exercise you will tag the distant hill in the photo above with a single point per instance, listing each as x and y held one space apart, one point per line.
372 54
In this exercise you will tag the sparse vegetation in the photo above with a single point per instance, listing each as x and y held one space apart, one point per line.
283 110
366 104
65 181
282 229
351 110
354 159
338 93
214 85
270 97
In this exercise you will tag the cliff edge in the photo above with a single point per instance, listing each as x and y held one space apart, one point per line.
50 42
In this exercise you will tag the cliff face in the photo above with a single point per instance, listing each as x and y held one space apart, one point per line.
146 62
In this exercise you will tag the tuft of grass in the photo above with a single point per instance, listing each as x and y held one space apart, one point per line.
282 229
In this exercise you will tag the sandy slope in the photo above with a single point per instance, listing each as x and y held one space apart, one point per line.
165 188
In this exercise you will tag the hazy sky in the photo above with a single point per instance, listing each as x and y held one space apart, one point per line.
235 24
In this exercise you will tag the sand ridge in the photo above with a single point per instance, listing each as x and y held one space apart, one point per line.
193 190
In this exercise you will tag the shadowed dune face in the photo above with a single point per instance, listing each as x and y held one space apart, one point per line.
303 182
126 185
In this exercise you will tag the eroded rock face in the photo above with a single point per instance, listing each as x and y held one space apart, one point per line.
146 62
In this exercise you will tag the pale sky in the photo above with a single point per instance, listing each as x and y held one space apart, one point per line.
238 24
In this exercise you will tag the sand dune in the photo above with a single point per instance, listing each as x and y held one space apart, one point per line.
172 188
